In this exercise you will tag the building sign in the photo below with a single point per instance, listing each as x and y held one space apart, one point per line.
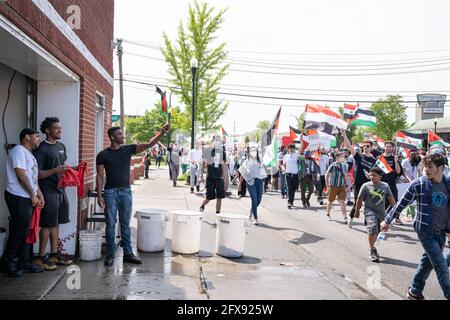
431 105
115 117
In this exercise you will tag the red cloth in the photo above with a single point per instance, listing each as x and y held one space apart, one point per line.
34 226
74 178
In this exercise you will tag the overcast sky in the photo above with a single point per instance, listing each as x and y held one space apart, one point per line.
299 36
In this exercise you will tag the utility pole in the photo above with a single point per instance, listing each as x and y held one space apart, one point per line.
122 108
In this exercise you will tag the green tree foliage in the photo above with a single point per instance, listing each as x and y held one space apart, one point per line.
195 40
391 116
143 128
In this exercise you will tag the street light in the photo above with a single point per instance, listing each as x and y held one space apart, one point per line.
194 71
435 125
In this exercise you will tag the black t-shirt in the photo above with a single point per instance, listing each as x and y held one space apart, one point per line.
376 153
362 162
50 156
391 177
214 159
117 165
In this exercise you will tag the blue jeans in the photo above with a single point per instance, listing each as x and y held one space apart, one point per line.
256 192
432 258
283 183
118 200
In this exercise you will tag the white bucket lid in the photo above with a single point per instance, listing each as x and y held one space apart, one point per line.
232 216
187 213
152 212
90 234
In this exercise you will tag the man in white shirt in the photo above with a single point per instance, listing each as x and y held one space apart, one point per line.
290 167
324 164
195 158
22 194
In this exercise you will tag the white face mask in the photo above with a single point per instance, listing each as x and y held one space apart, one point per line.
253 154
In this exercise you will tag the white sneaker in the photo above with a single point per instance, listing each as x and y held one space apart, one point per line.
350 223
256 222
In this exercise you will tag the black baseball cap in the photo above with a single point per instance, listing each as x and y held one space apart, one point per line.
27 131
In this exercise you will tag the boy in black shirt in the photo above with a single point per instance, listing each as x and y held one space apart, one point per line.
115 161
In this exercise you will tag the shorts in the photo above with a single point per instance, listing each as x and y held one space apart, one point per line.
340 192
373 222
215 189
56 209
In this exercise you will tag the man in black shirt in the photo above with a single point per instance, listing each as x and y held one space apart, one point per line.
391 178
364 163
215 179
115 161
51 157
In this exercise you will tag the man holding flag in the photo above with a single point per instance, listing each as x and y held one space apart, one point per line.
389 160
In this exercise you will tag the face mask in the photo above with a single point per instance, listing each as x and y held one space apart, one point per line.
253 154
342 160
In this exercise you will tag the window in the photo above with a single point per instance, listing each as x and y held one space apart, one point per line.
99 122
31 103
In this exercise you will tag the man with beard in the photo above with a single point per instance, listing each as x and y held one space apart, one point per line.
51 157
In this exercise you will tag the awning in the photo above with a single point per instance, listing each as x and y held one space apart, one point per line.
422 126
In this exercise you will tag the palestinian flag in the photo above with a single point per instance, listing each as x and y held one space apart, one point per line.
435 140
163 100
408 140
383 165
322 119
349 111
316 156
270 143
364 118
294 134
224 133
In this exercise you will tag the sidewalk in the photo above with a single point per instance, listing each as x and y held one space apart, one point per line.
271 269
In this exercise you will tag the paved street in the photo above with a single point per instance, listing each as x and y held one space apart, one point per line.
292 254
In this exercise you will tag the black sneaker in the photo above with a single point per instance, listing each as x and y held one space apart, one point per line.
289 206
192 190
109 260
28 266
10 268
198 188
374 256
307 203
131 258
412 296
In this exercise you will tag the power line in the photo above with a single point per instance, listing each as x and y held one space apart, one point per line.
154 44
302 89
309 99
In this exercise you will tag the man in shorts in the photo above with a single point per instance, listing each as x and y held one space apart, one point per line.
374 195
213 158
51 158
335 179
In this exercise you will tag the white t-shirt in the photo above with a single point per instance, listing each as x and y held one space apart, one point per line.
411 171
290 161
21 158
195 155
324 164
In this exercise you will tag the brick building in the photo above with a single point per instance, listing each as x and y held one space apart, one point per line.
58 57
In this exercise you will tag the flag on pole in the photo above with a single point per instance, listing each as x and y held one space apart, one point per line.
163 100
224 133
322 119
435 140
349 111
408 140
271 143
383 165
364 118
380 142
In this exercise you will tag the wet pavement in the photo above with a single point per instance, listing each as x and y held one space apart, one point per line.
291 255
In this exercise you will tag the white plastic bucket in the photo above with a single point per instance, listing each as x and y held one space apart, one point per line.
151 229
2 240
90 245
230 236
186 231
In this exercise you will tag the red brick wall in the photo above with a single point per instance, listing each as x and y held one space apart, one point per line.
97 27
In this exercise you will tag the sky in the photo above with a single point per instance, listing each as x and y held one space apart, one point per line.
319 47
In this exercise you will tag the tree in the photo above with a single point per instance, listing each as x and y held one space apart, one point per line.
391 116
196 42
263 125
141 129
